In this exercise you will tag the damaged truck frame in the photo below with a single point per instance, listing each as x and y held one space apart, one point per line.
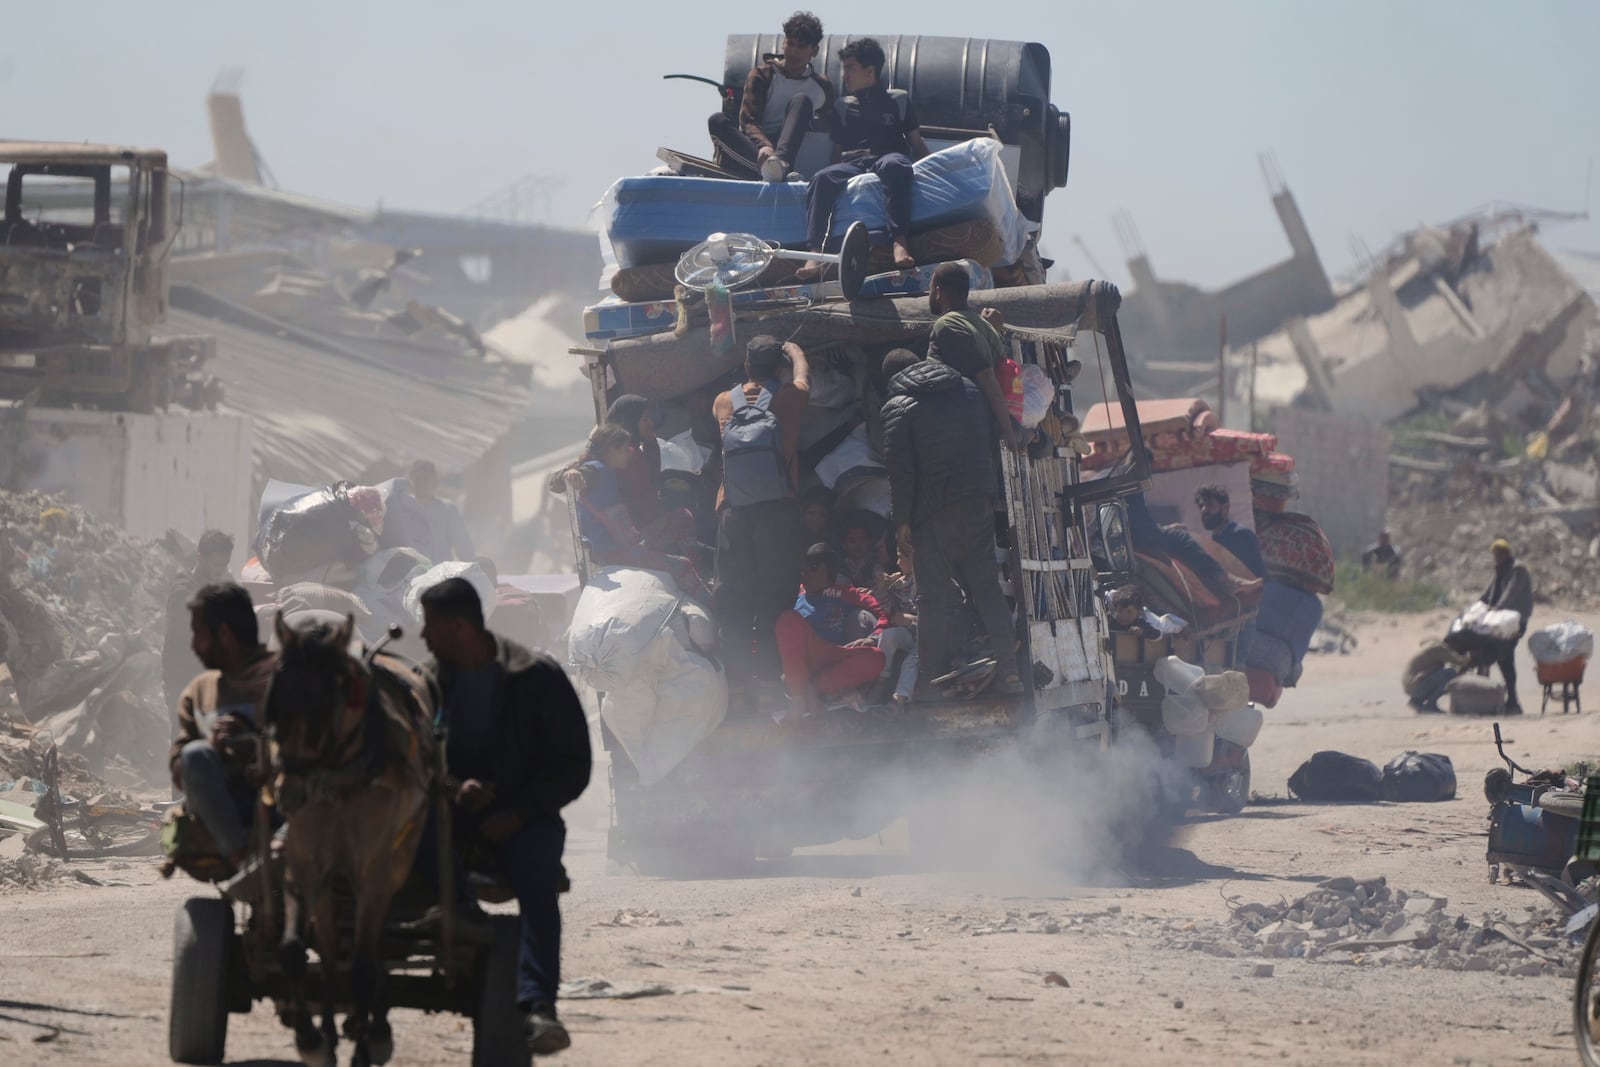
84 248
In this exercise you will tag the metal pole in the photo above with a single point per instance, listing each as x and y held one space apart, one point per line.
1252 385
1222 372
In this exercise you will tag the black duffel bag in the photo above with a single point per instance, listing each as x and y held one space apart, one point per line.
1419 776
1337 777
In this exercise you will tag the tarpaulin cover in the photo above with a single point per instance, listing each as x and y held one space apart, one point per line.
654 219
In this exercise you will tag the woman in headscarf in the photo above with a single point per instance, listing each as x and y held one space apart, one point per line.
640 480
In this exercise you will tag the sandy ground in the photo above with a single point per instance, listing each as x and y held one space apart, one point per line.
854 954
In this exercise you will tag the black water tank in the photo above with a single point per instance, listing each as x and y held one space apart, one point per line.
960 83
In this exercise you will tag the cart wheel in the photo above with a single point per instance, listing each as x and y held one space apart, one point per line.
202 942
853 254
1585 1005
498 1037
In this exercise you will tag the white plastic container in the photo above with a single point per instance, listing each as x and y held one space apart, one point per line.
1183 718
1176 676
1241 725
1195 750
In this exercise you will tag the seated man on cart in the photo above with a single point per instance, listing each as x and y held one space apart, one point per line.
517 752
216 743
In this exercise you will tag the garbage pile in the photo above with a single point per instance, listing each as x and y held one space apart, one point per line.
1364 921
81 609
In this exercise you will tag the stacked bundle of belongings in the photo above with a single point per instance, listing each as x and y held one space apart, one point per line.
349 550
962 210
1190 452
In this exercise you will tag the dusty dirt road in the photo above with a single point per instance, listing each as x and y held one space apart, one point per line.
853 954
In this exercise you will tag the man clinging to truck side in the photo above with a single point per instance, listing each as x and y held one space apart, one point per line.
875 130
760 528
782 101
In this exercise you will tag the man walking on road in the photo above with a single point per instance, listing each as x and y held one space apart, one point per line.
517 752
1511 589
943 489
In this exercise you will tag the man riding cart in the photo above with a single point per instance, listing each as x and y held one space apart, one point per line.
339 743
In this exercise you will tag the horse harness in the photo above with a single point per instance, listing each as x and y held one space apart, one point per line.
355 761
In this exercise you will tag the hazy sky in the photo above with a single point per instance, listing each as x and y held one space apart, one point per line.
1381 114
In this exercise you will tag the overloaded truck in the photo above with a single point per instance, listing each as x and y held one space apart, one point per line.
697 266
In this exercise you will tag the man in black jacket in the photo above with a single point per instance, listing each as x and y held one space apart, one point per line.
518 752
942 487
1511 589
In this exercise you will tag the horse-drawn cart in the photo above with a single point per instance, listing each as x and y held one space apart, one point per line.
226 956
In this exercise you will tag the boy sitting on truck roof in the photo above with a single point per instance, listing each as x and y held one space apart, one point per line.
783 98
875 130
827 649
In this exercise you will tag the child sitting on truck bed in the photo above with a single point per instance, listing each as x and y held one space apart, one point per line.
827 647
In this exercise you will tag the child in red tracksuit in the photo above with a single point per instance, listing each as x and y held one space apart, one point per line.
826 643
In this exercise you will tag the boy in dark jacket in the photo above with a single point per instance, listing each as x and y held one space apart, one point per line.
517 753
942 489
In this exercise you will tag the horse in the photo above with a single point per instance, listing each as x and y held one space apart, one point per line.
354 764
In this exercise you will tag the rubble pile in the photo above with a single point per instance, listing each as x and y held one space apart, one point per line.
1448 546
1346 920
81 626
94 578
28 872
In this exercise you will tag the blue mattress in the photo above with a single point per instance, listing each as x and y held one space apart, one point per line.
655 219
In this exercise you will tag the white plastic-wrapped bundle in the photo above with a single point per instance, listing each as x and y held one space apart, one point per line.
636 640
1561 642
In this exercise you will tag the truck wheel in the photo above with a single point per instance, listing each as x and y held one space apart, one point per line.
202 942
1228 793
498 1037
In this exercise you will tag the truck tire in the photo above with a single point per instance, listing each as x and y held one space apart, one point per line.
498 1036
1227 793
202 943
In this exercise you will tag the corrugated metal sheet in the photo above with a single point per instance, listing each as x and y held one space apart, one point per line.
320 416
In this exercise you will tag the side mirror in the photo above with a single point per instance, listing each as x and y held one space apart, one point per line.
1114 546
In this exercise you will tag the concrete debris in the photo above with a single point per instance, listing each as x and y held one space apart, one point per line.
30 872
630 917
81 626
1365 922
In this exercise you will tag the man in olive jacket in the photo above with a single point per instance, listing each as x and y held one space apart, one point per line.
517 750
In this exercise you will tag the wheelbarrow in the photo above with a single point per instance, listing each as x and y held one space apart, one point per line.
1568 674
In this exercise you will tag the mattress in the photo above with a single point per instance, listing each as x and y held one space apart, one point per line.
654 219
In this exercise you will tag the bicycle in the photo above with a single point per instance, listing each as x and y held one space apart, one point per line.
75 830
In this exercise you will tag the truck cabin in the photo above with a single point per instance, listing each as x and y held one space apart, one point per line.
75 197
